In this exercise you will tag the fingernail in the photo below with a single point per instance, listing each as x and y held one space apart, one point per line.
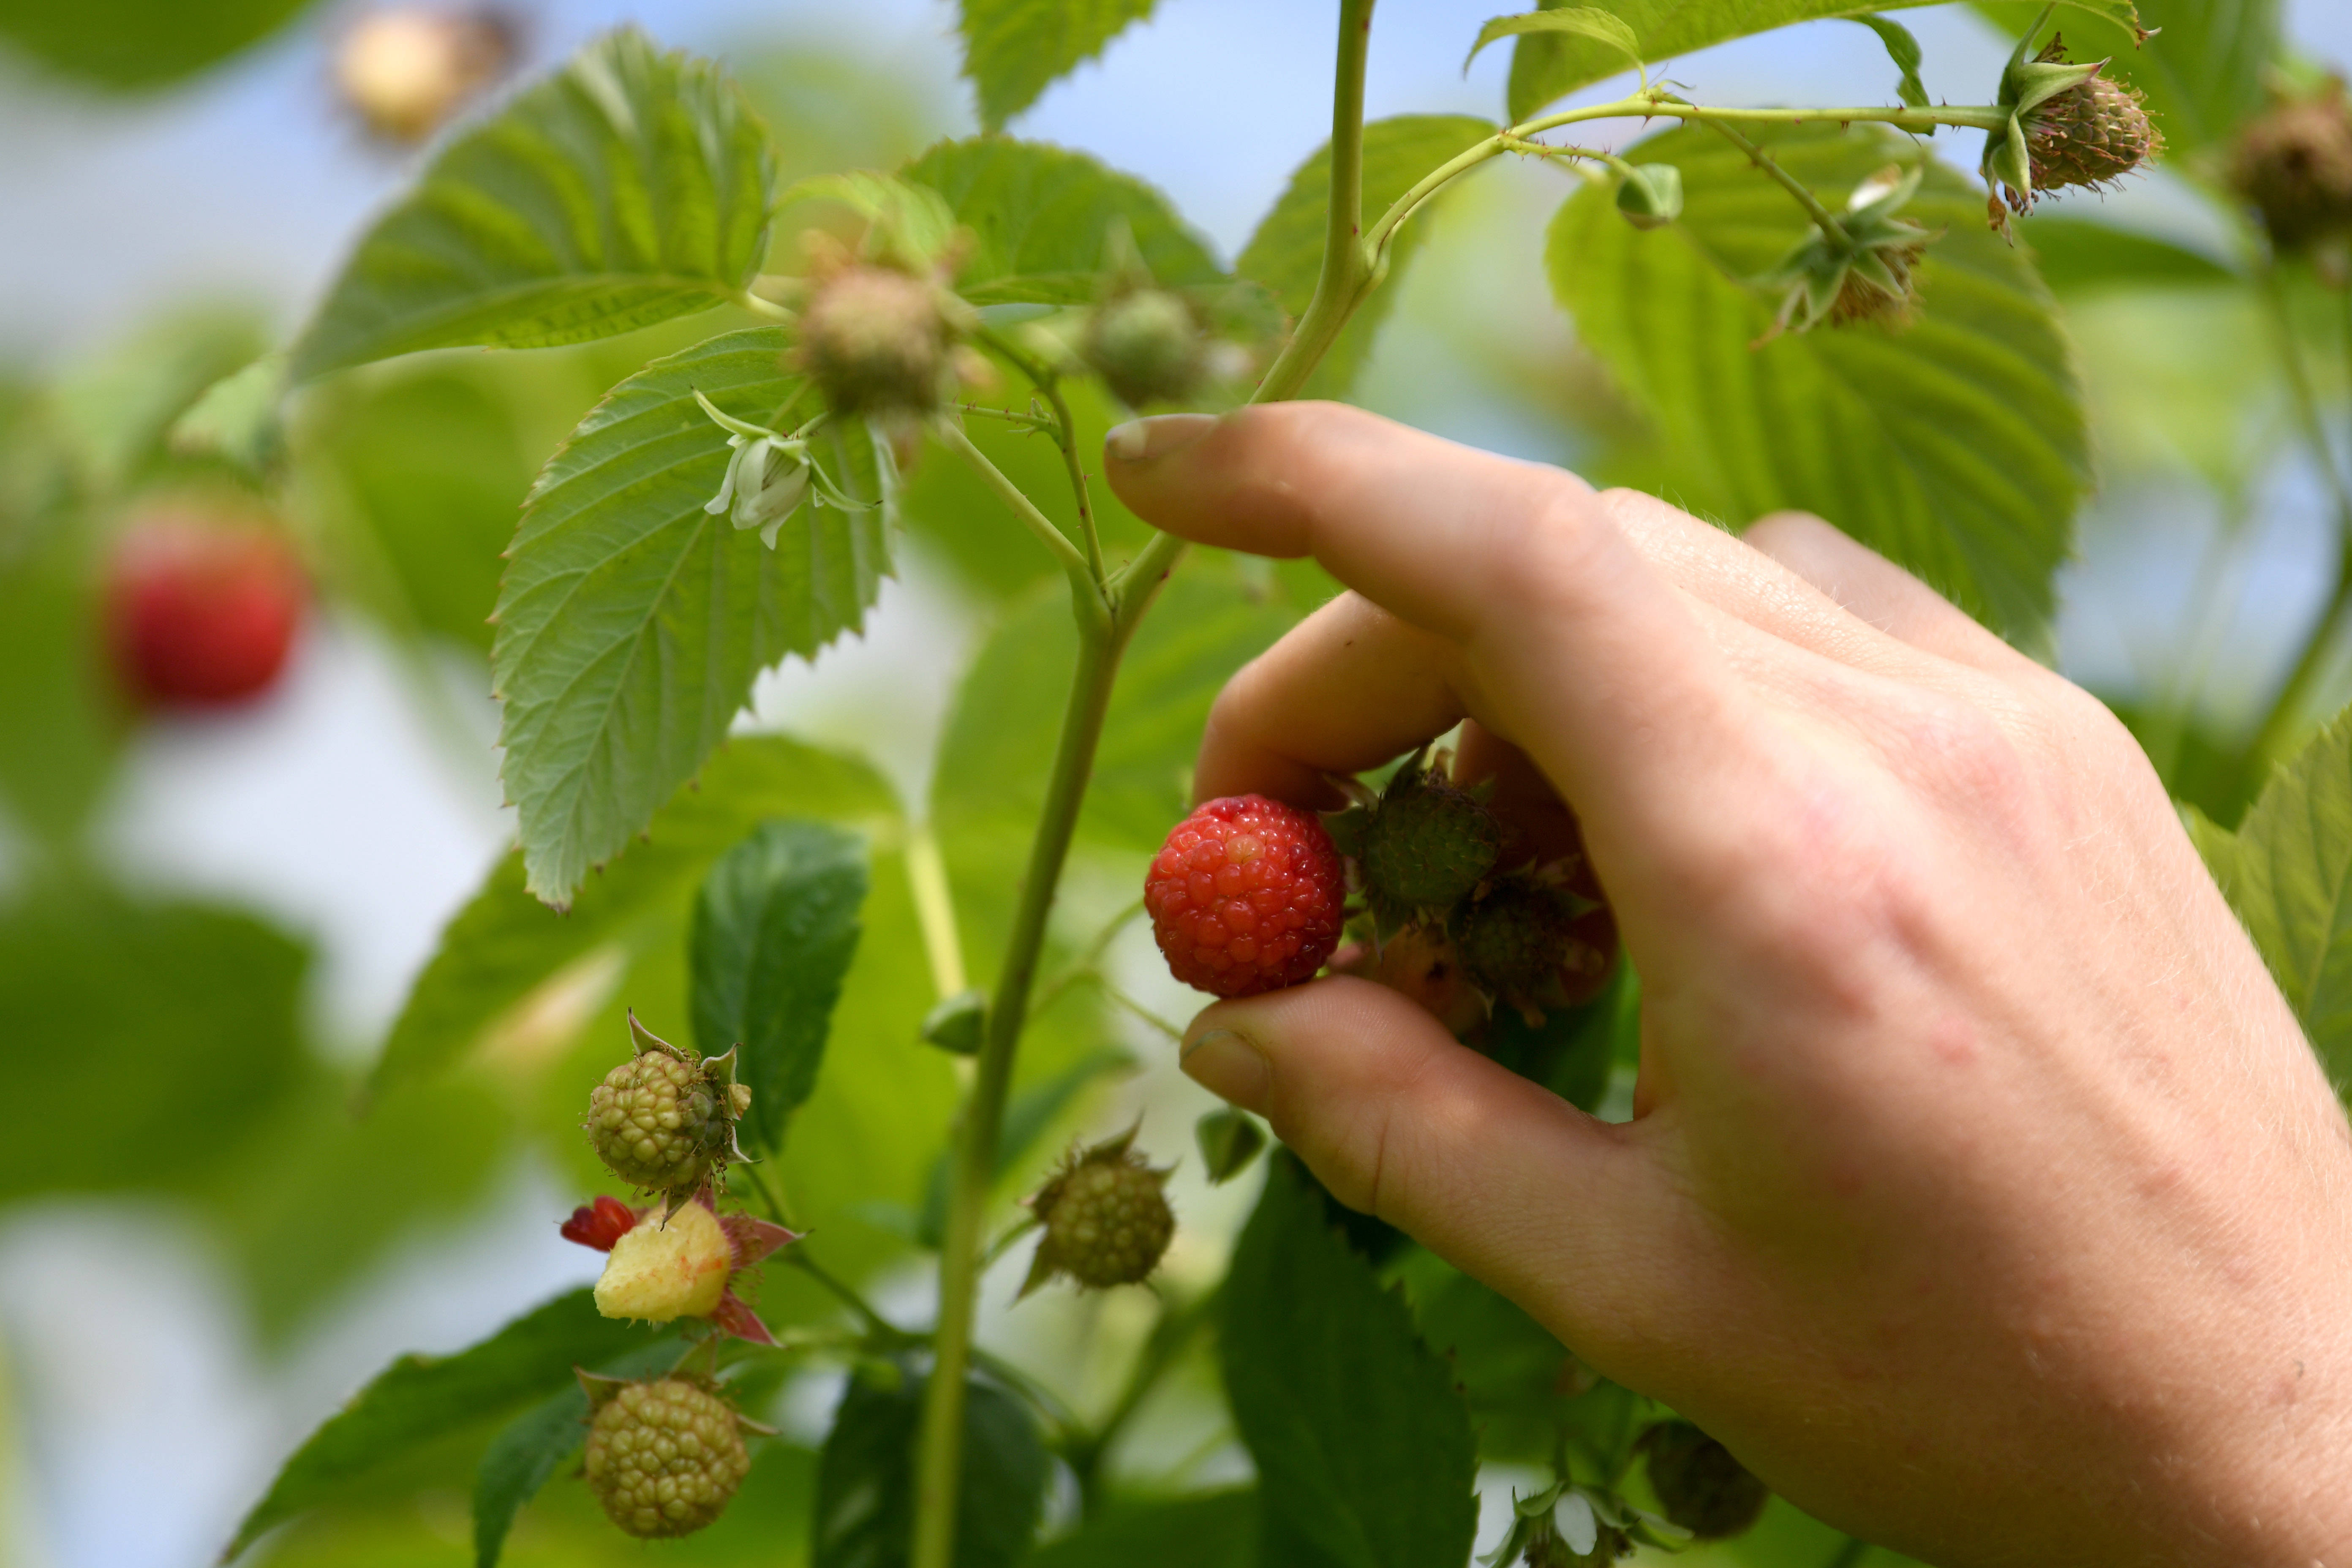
1140 440
1229 1066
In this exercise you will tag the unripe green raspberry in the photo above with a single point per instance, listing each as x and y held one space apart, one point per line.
1106 1216
2295 165
664 1457
877 340
1427 845
1519 943
663 1119
1859 299
1699 1485
1148 346
2088 134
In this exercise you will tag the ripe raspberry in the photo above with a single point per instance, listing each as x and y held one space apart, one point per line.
1107 1220
201 610
1699 1485
877 341
664 1457
665 1120
1246 896
1148 346
2295 165
1427 845
1521 944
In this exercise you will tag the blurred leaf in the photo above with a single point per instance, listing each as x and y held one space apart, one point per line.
1285 254
2289 877
435 468
2076 254
1547 65
1903 50
632 622
2201 68
1219 1529
1364 1450
417 1399
1956 446
234 420
1590 23
774 932
140 43
1014 50
1043 216
2199 764
631 186
115 409
504 945
536 1442
61 720
865 1478
188 1016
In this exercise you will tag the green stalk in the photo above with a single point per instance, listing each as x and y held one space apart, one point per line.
1823 219
939 1459
2286 707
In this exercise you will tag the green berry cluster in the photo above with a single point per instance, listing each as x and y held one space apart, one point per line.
665 1456
663 1121
1106 1218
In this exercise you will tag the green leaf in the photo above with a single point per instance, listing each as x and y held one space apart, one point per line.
62 719
774 932
419 1399
2078 255
2201 68
2289 876
141 43
632 622
865 1478
535 1444
505 947
631 186
1547 65
236 419
1042 218
1217 1531
1014 50
1588 22
184 1021
1956 447
1364 1450
1903 50
1285 254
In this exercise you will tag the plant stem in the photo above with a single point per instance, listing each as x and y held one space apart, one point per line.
767 308
1823 219
939 1458
1081 575
876 1326
2286 707
926 877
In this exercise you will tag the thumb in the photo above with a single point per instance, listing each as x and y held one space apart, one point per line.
1494 1172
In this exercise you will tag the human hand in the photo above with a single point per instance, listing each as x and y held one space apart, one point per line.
1982 1194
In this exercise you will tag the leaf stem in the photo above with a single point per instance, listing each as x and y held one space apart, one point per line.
878 1326
2286 707
1102 638
1064 428
1081 574
767 308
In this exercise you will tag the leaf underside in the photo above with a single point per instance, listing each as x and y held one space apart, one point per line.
1956 446
629 187
632 623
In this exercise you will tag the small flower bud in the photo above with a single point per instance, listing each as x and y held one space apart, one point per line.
1651 195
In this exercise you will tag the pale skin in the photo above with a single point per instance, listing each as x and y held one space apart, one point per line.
1982 1194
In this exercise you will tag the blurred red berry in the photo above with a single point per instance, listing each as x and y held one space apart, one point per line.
1246 896
200 613
601 1223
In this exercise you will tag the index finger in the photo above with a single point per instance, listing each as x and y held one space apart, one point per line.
1586 655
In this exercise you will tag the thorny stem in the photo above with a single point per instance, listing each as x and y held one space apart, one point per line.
2286 707
1823 219
1065 431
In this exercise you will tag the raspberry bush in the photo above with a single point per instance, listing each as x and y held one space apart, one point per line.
889 1013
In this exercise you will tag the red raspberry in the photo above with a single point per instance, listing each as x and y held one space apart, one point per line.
1244 896
202 612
